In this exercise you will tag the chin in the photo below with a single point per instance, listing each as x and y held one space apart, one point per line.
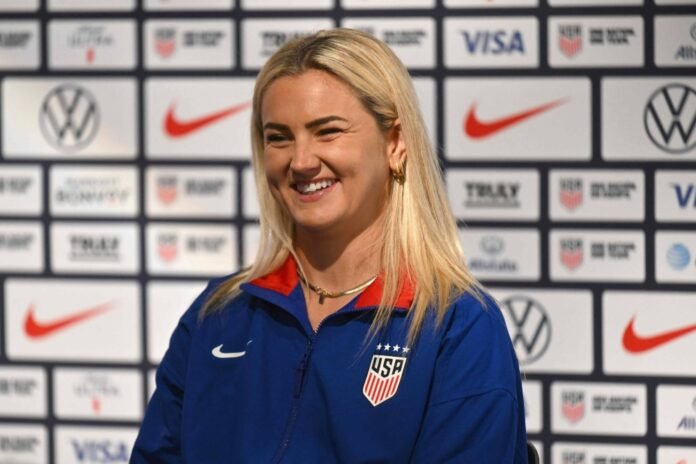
314 225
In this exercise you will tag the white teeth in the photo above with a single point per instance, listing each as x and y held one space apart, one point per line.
314 186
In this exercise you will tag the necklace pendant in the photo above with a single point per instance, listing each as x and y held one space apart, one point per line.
322 295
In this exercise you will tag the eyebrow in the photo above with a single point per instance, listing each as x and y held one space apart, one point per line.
309 125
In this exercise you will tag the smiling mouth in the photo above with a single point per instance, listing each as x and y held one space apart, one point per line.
306 188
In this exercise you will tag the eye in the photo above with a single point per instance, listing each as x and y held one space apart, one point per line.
329 131
276 138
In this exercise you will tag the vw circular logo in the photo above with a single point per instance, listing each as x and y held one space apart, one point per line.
529 326
69 117
670 118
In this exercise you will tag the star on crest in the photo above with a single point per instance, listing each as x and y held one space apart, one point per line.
379 347
396 348
405 349
387 346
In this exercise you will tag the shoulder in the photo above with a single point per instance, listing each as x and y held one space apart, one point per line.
475 348
198 311
475 314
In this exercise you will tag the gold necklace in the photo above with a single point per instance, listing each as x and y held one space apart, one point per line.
326 294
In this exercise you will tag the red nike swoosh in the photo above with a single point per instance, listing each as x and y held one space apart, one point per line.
635 343
36 329
477 129
176 128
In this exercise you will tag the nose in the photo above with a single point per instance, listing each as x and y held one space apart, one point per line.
305 161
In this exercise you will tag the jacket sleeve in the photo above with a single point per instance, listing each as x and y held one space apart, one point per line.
475 410
159 438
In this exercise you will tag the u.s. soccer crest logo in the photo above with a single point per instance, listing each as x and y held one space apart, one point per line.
167 189
165 41
573 405
571 253
167 247
571 193
570 39
385 372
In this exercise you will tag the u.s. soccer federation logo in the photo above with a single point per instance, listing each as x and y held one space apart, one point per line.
570 39
165 41
167 247
571 253
167 189
573 405
384 376
571 193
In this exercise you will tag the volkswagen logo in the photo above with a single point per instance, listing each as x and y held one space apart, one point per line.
69 117
670 118
529 326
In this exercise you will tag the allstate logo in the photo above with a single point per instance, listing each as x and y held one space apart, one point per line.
678 256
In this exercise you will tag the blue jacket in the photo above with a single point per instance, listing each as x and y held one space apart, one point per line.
254 383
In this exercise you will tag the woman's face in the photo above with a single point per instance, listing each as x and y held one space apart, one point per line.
325 157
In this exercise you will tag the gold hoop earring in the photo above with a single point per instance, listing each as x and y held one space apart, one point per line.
399 174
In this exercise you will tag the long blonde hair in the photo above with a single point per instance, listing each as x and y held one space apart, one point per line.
420 239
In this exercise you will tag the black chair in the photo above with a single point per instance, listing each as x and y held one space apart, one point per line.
532 454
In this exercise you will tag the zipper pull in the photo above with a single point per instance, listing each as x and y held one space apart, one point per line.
301 370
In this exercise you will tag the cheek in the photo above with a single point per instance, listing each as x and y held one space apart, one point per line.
273 170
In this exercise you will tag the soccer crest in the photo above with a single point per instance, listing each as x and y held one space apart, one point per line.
573 405
570 39
571 253
384 375
571 193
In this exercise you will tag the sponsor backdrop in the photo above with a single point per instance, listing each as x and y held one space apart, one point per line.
567 132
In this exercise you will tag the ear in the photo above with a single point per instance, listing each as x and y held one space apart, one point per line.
396 148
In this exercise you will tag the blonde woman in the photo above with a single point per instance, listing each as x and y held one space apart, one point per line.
358 335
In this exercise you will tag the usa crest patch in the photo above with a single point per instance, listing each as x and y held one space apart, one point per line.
385 373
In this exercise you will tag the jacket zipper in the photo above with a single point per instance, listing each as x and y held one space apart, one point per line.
300 375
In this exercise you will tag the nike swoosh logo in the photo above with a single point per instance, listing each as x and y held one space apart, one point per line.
635 343
36 329
477 129
175 127
218 353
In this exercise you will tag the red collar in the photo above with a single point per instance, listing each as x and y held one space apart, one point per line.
284 280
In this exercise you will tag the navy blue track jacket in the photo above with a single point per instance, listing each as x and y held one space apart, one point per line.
254 383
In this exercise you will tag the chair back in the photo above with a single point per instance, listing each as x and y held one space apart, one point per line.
532 454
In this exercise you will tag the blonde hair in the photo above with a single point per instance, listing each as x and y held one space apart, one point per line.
420 241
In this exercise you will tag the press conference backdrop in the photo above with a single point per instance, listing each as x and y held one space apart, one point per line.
567 133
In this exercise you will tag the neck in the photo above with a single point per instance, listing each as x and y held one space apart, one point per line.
336 262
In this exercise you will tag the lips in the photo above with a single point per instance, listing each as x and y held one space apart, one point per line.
306 188
314 190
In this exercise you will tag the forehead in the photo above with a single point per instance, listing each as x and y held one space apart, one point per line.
312 94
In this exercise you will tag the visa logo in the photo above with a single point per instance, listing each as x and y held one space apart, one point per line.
103 451
686 196
494 42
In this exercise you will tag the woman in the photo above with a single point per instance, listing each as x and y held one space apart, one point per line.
358 335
